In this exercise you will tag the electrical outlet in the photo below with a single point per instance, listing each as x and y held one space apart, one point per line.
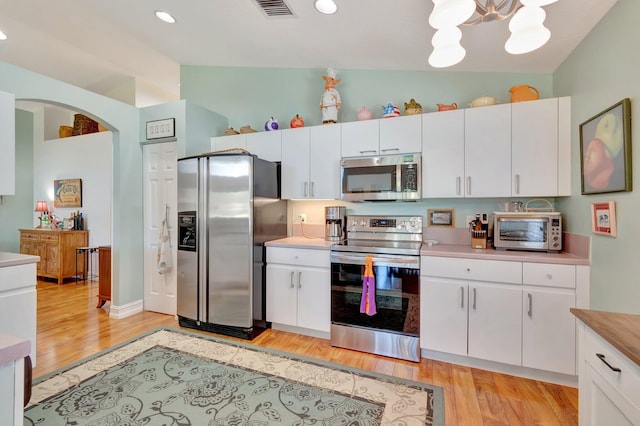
303 217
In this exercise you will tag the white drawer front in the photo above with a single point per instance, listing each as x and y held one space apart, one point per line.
627 380
300 257
472 269
551 275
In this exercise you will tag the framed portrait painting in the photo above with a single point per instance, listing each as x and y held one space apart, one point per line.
605 150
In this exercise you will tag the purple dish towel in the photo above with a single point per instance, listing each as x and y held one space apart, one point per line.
368 302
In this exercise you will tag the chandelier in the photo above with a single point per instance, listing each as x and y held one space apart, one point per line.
528 32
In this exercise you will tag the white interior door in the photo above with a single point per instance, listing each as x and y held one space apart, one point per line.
160 177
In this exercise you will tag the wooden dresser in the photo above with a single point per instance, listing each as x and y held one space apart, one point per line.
57 251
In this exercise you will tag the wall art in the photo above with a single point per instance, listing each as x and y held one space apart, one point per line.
67 193
603 218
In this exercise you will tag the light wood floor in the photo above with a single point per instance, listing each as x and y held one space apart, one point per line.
70 327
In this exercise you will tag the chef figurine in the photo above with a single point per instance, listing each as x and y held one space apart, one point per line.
330 103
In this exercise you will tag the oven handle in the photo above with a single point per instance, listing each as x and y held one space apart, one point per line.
378 260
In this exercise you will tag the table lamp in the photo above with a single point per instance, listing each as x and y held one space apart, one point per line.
41 207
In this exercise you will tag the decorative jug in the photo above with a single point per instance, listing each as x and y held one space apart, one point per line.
364 113
524 92
443 107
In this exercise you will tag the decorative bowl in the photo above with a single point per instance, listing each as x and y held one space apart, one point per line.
483 101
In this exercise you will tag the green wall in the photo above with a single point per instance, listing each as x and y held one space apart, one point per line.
252 95
14 208
603 70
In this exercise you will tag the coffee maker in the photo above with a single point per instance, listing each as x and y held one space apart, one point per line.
335 223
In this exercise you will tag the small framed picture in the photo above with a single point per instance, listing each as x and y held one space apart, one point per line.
603 218
443 218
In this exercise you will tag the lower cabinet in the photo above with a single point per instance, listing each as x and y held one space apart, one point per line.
607 396
514 313
298 288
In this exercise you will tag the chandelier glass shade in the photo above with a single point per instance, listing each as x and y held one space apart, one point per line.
527 28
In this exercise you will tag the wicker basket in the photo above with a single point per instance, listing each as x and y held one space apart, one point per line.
83 125
65 131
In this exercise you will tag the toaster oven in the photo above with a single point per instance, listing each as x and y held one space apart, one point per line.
535 231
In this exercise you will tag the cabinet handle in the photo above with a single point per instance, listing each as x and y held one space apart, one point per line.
475 297
370 150
299 279
458 182
517 183
468 185
616 369
306 187
292 279
549 276
461 296
390 149
313 189
530 311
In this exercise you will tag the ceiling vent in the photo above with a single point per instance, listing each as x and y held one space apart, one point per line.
274 7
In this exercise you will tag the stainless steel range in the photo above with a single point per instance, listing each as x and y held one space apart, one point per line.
379 315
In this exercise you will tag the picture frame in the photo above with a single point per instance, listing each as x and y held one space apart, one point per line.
603 218
605 150
67 193
441 218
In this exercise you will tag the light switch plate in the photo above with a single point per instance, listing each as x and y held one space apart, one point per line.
158 129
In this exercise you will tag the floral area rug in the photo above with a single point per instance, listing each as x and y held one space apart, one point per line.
176 377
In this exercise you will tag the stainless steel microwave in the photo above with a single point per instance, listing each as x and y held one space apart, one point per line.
382 178
536 231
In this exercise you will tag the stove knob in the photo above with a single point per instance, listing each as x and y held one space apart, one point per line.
401 224
363 223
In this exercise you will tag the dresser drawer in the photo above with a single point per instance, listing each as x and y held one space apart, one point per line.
30 236
472 269
627 379
51 237
300 257
546 274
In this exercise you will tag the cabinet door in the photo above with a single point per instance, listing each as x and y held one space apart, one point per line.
7 144
534 145
220 143
266 145
53 258
324 164
443 154
360 138
443 315
281 294
549 330
401 134
487 156
314 298
495 322
602 403
295 163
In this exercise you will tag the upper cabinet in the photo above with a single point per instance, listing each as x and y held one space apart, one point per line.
541 148
7 144
511 150
266 145
311 162
397 135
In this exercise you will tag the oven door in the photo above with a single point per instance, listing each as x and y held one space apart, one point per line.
397 292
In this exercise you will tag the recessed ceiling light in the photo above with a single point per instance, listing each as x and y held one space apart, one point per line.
327 7
3 36
165 17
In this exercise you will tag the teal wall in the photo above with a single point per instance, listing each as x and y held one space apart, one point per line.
252 95
15 209
603 70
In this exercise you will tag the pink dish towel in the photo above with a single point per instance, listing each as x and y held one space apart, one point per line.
368 302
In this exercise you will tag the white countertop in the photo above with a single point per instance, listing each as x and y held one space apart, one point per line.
13 348
465 251
301 242
12 259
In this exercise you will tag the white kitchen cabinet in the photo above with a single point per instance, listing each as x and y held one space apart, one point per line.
7 144
540 140
266 145
311 162
548 327
401 135
606 397
487 158
463 316
360 138
443 154
299 288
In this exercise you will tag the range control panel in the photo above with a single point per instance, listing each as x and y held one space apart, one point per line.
385 224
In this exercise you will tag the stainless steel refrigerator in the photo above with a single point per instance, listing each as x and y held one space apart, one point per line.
228 207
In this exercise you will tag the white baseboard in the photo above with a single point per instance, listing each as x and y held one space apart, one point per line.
119 312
